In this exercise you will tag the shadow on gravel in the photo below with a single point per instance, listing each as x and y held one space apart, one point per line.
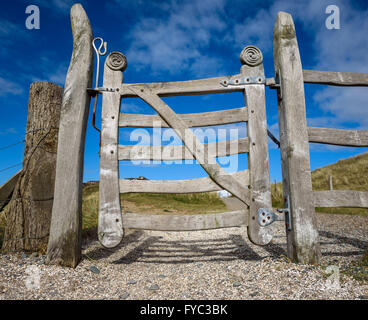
156 250
103 253
343 239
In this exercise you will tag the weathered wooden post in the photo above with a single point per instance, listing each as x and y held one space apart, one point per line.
302 239
64 245
258 163
29 211
330 182
110 224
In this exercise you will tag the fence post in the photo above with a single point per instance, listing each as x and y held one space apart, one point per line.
64 245
29 211
302 240
330 182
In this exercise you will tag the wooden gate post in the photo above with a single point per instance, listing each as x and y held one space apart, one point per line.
110 224
258 163
64 245
302 240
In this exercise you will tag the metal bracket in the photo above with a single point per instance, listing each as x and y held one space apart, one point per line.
267 216
277 84
243 81
98 90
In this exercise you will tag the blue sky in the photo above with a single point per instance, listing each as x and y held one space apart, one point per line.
183 40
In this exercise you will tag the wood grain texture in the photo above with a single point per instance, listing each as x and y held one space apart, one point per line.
178 186
192 119
339 137
341 198
182 88
214 170
258 161
302 240
64 245
336 78
29 211
168 153
185 222
110 230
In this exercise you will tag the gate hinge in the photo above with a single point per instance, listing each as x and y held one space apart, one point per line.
240 81
95 91
267 216
275 83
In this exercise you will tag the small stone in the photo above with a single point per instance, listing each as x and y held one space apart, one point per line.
24 255
364 297
132 282
162 276
94 269
253 294
124 295
236 284
199 265
34 255
153 287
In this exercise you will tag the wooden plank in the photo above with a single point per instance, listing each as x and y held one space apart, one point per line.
182 88
167 153
258 161
339 137
341 198
64 245
213 169
178 186
185 222
7 189
110 230
191 119
336 78
302 240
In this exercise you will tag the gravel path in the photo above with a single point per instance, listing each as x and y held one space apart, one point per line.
216 264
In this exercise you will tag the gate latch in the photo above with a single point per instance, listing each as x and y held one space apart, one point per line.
267 216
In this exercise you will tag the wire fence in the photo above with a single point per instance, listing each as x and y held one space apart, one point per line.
20 142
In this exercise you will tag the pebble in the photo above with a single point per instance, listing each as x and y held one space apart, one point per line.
236 284
153 287
94 269
124 295
132 282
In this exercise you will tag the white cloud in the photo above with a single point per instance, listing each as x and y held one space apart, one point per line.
179 42
9 88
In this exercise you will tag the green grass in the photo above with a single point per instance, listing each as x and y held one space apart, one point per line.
153 203
347 174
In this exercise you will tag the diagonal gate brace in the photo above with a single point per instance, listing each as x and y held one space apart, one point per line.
215 172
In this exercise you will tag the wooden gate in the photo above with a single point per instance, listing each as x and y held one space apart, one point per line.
251 187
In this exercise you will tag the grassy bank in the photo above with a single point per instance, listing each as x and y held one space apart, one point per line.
154 203
347 174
